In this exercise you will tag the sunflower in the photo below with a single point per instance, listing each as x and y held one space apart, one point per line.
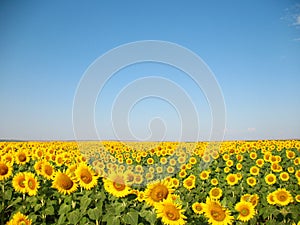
253 155
254 170
270 179
251 181
170 213
64 183
47 170
239 166
38 167
226 169
189 183
175 182
22 157
157 191
20 218
31 184
232 179
297 198
260 162
182 173
18 182
86 176
291 169
271 199
215 193
5 170
254 199
214 181
204 175
246 211
197 207
282 197
138 179
216 213
116 185
284 176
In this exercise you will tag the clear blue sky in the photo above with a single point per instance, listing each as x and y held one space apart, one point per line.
252 47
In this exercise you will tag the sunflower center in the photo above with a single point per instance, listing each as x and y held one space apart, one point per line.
21 183
119 186
48 170
22 157
159 193
31 184
282 197
172 213
66 183
245 212
218 214
215 192
232 179
198 208
3 169
189 183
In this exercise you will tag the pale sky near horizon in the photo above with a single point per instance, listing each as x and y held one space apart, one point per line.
252 48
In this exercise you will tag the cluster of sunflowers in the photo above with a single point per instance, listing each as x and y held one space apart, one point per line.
110 182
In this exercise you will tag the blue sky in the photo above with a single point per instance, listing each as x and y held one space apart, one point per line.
252 47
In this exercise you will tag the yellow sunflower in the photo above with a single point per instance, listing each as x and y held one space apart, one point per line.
170 213
204 175
254 199
86 176
254 170
47 170
284 176
271 199
38 167
19 219
297 198
64 183
215 193
282 197
197 207
216 213
157 192
260 162
251 181
246 211
116 185
31 184
175 182
22 157
232 179
5 170
189 183
214 181
18 182
270 179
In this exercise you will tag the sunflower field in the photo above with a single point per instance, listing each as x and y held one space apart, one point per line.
172 183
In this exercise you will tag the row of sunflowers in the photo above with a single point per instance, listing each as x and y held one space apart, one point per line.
172 183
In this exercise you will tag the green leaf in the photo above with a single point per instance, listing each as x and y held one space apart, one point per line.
113 220
84 203
131 218
37 207
7 194
49 210
64 208
74 216
61 219
120 207
95 213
